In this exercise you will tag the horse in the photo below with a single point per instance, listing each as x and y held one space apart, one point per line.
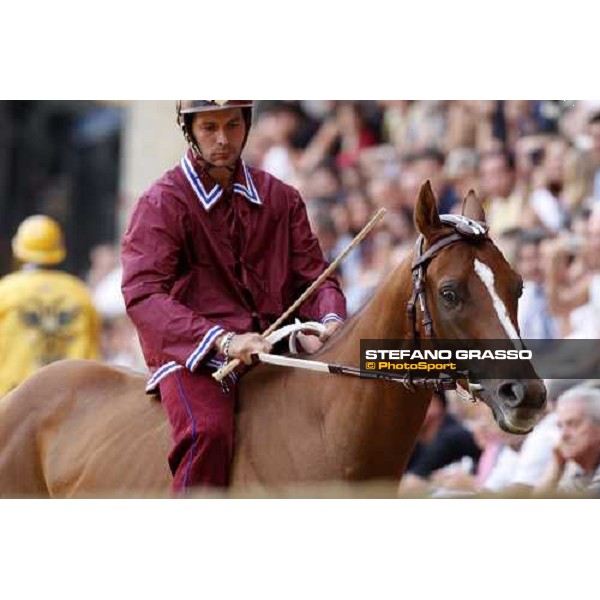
82 428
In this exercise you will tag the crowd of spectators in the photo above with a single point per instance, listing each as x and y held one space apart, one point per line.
534 164
536 167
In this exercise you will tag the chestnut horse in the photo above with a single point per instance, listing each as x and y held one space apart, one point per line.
78 428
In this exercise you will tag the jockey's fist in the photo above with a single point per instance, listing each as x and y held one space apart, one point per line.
330 329
244 345
312 343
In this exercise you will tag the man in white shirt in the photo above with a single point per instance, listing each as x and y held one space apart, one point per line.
576 464
537 451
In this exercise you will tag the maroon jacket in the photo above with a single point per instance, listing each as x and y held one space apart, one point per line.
199 260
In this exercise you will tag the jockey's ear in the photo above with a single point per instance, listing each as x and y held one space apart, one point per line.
472 207
427 217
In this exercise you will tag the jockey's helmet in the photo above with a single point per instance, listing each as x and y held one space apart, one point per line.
39 240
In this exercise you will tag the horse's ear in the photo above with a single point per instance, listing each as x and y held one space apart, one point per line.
472 207
427 217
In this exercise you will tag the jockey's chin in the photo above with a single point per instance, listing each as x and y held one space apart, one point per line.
223 159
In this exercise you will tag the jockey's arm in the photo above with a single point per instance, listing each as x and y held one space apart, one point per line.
151 255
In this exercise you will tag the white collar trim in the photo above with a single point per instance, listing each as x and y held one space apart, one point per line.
209 199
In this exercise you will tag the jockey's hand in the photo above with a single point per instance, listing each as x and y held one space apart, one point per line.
330 329
312 343
244 345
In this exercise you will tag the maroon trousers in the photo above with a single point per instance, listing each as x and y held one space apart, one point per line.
202 420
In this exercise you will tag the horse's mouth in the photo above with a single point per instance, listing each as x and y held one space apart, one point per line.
518 420
514 427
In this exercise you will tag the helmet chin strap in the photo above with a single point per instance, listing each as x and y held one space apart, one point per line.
208 166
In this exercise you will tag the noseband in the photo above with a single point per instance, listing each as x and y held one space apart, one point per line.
464 229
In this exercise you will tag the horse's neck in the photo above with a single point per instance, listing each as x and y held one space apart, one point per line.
372 428
296 426
380 421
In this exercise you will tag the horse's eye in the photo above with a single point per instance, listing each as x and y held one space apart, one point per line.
449 296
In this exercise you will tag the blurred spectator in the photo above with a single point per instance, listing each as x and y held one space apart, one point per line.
379 162
505 208
547 199
583 168
355 134
529 154
519 120
323 186
429 164
103 259
576 463
443 441
280 124
537 451
119 341
461 171
462 124
497 462
572 267
412 126
45 315
535 319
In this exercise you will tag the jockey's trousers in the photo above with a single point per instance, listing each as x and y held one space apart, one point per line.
202 420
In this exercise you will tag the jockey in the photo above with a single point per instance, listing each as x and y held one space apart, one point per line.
214 253
45 315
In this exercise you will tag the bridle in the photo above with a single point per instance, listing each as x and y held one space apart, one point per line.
463 229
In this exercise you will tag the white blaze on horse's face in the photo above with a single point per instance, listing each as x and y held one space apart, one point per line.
487 277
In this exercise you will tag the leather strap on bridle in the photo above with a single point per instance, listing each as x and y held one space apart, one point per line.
464 229
419 268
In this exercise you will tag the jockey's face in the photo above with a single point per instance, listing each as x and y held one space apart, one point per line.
220 135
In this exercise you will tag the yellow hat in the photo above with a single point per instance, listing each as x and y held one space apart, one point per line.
39 240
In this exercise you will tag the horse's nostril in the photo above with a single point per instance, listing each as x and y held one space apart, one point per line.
512 392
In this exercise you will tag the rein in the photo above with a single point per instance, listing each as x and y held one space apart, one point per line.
444 381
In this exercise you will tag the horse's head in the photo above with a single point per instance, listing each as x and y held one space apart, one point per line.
472 293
